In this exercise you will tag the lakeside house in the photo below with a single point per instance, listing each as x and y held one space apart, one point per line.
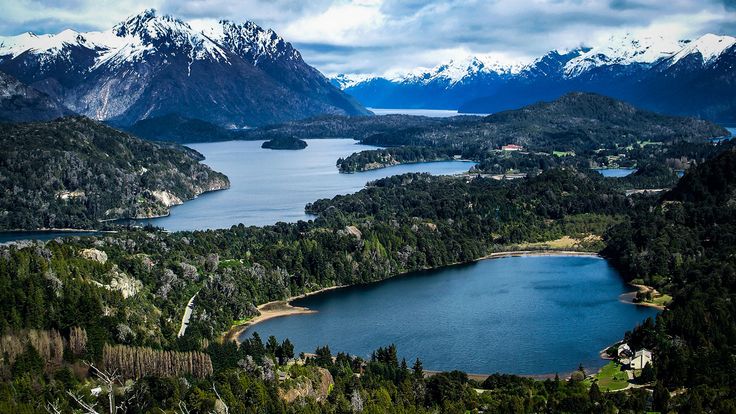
624 351
641 358
512 147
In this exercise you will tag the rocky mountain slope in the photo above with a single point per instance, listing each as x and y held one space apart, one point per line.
233 75
20 103
677 77
74 171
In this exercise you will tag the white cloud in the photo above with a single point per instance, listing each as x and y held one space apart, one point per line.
342 23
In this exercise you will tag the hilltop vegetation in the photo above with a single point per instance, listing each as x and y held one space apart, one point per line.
73 172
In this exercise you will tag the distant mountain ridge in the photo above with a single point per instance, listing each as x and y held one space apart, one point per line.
229 74
678 77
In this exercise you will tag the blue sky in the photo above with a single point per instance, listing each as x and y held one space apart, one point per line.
384 36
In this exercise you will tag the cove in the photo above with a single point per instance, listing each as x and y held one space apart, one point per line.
522 315
268 186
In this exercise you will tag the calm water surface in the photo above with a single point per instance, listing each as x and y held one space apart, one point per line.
524 315
433 113
268 186
616 172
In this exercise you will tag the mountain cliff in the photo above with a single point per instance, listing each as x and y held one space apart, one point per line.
233 75
20 103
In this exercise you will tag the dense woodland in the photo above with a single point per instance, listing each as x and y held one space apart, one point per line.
128 291
284 144
73 172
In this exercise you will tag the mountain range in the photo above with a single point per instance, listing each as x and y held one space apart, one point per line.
229 74
678 77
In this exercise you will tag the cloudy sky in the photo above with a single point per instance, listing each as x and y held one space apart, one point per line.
387 36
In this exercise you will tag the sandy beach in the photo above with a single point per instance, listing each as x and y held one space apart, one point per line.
275 309
516 253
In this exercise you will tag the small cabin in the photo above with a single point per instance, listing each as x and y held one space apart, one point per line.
512 147
624 351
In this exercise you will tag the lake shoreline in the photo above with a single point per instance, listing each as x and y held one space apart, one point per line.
280 308
629 297
275 309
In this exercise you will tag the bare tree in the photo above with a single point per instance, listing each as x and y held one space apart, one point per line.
88 408
227 409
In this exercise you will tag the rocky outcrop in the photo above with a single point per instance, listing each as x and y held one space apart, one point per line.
303 387
93 254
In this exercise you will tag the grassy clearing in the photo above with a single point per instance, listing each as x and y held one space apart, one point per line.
662 300
563 243
563 153
240 322
612 378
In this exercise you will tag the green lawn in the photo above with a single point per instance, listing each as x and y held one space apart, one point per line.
563 153
611 378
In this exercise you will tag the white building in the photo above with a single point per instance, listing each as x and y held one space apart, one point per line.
641 358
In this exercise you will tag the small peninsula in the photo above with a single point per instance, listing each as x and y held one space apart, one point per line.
285 143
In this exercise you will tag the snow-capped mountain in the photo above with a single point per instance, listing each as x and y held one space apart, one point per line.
709 48
149 65
448 85
654 72
623 51
459 70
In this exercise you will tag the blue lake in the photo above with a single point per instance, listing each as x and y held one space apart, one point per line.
616 172
268 186
432 113
523 315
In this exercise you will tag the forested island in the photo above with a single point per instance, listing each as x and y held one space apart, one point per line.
116 300
285 143
74 172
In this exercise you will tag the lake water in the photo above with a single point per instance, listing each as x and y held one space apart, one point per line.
616 172
433 113
268 186
523 315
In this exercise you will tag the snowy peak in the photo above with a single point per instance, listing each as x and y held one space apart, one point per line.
709 47
624 50
347 80
13 46
458 70
251 42
132 39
